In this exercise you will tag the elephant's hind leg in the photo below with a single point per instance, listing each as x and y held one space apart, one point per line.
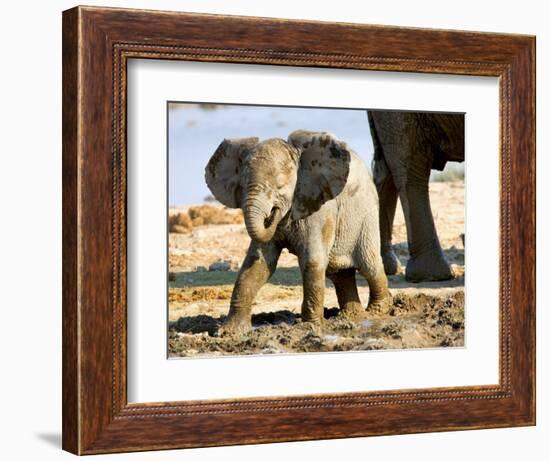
387 196
379 294
346 292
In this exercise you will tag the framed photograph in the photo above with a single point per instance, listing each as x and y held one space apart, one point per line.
281 230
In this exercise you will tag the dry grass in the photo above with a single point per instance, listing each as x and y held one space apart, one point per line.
180 223
208 214
203 215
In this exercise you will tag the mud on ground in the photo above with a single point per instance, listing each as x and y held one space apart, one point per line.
203 265
417 321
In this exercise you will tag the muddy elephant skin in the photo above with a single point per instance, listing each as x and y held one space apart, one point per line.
407 146
312 195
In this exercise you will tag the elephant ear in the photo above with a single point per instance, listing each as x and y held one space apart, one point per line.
322 173
223 171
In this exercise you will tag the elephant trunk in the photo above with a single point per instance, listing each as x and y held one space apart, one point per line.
261 224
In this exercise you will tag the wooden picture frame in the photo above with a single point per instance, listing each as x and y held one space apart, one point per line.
97 43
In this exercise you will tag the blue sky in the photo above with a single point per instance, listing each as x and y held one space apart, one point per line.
195 132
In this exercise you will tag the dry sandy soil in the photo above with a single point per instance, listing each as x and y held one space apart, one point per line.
428 314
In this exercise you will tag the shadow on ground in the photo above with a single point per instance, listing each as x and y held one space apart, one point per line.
291 276
51 438
453 254
288 276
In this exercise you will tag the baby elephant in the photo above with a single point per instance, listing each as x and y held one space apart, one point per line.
313 196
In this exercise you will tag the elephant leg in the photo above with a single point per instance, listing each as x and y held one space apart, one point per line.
346 292
426 261
379 294
387 197
258 266
313 277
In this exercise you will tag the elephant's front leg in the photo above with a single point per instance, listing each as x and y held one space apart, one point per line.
313 277
426 261
258 266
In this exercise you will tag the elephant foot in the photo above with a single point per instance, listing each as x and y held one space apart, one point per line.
428 267
392 266
353 311
380 306
235 324
313 316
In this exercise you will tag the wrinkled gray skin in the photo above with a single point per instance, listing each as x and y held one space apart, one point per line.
407 145
313 196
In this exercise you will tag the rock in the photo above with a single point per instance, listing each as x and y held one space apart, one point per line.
200 269
220 266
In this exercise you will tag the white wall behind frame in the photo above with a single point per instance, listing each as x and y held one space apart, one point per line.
31 181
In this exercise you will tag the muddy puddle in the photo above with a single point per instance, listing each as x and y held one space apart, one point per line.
413 321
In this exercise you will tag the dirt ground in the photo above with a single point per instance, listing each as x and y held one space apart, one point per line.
203 264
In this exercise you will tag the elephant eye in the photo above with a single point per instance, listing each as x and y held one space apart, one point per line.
280 180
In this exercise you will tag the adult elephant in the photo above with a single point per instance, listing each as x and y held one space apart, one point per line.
407 146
